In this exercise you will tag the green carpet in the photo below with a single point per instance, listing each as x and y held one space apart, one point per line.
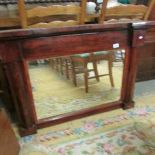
53 94
112 133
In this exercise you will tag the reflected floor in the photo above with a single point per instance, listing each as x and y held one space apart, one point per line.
54 95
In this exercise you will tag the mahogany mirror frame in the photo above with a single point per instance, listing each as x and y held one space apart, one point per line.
20 46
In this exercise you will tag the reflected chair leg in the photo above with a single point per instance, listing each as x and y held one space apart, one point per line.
66 68
96 70
86 76
61 65
122 56
57 64
73 73
51 63
112 57
110 71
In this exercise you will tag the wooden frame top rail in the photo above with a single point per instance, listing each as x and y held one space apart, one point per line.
42 32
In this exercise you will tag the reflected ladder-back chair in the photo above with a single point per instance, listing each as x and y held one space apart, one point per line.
93 58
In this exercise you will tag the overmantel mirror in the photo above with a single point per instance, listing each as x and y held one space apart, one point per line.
77 71
76 82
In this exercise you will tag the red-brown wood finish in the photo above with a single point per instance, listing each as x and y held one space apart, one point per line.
8 141
146 65
19 46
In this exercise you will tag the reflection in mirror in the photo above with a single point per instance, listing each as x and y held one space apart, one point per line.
70 83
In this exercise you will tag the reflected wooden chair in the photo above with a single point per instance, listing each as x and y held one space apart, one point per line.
93 58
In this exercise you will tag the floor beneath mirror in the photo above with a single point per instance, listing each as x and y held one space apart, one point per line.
118 132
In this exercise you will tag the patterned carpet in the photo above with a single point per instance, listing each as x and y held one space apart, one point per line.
54 94
119 132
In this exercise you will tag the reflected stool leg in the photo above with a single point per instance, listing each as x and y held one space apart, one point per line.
73 72
86 77
110 70
61 65
67 68
96 70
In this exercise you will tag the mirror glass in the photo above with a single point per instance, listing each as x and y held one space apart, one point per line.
71 83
